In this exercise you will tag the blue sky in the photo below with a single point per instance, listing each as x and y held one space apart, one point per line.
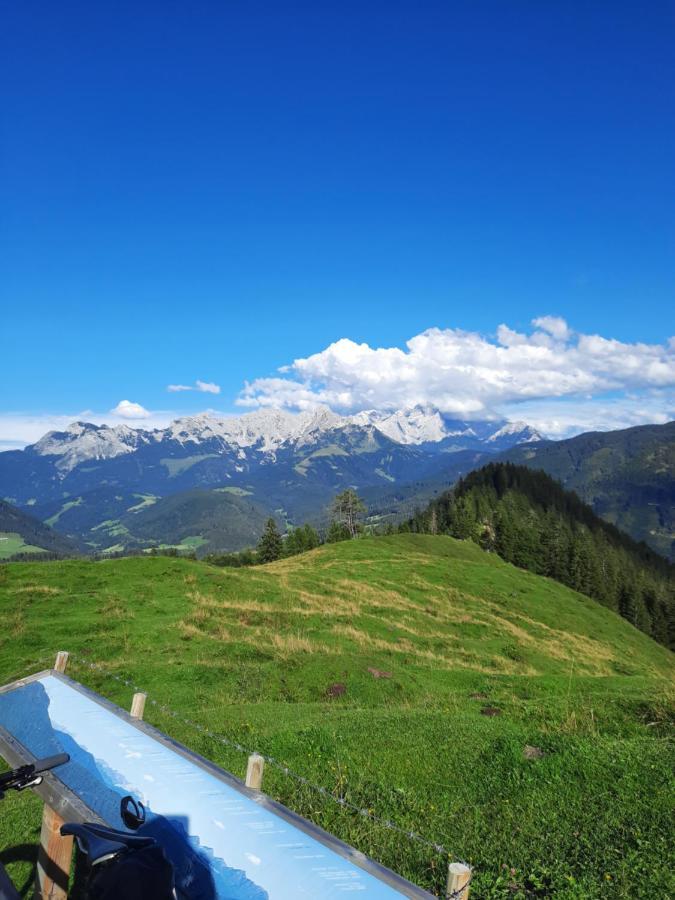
214 190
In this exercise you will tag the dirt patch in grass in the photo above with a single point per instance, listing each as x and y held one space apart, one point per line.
36 589
378 673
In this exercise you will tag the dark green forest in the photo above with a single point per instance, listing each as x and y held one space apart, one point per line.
531 521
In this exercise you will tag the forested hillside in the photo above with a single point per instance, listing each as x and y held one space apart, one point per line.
627 476
531 521
21 535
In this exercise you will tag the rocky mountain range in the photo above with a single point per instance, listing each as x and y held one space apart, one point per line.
96 483
267 431
208 483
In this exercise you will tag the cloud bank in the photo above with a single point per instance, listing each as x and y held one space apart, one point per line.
560 381
470 375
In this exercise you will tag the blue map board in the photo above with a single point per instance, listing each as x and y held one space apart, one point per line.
225 841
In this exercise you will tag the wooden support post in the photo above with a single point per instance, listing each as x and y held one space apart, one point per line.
54 856
55 852
254 771
459 876
138 705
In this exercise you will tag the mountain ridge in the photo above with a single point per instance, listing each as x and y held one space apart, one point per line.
627 476
268 430
88 480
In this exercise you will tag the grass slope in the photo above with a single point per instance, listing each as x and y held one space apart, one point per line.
421 634
12 543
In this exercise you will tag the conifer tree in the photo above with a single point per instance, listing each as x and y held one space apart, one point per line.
338 532
270 545
347 509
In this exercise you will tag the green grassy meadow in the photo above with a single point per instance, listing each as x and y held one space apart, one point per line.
368 667
11 543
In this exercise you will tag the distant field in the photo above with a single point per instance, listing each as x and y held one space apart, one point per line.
368 667
52 520
11 543
194 542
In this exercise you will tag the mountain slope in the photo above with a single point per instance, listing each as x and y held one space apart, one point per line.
627 476
407 675
113 520
21 533
206 521
530 520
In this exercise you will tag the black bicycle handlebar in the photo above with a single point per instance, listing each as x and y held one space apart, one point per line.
50 762
31 773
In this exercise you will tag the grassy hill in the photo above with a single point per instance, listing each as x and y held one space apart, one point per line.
408 674
531 521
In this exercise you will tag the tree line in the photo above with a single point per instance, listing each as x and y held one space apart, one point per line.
347 513
530 520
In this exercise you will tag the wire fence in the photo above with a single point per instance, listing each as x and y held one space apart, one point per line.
361 812
592 701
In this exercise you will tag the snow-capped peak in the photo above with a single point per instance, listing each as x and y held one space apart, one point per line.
417 425
421 424
264 431
84 440
524 432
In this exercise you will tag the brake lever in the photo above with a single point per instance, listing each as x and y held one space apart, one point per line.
32 783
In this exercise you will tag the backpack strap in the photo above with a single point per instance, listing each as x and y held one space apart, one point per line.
100 843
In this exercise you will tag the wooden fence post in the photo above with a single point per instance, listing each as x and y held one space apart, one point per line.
138 705
459 876
54 857
55 852
254 771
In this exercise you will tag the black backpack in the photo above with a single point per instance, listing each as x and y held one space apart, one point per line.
123 865
143 874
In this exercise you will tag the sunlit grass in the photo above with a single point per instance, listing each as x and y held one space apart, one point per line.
256 654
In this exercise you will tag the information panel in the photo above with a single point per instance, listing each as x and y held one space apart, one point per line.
225 842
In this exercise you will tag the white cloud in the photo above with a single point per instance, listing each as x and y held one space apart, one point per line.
559 419
553 325
126 409
206 387
470 375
